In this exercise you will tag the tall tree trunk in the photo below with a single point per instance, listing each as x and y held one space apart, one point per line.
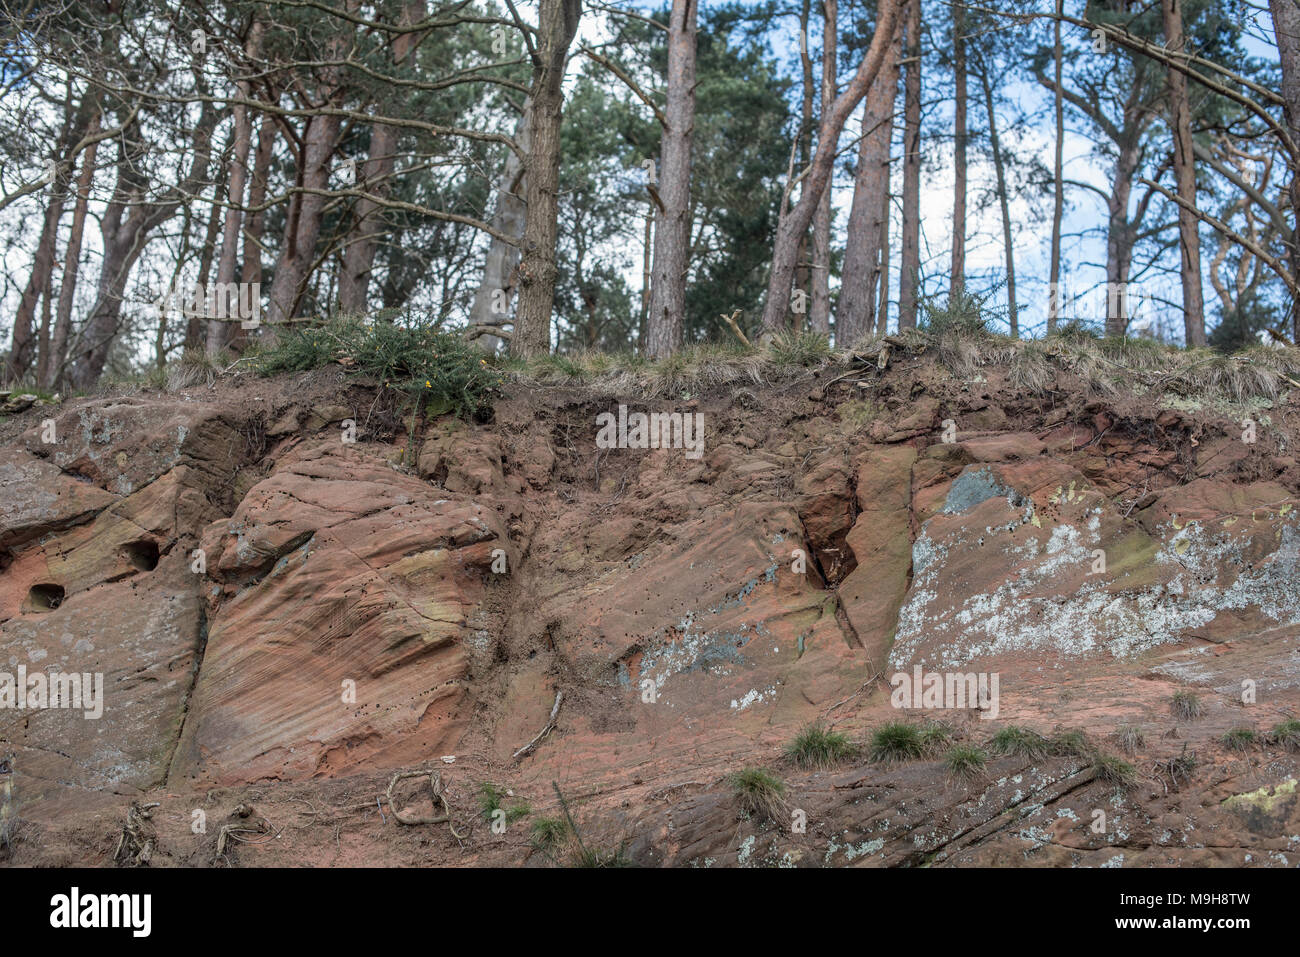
1286 29
47 320
51 373
647 250
557 24
376 173
23 348
221 332
319 141
1058 175
499 279
882 311
125 236
195 325
909 272
1185 175
819 313
1119 240
298 250
855 310
1000 169
673 231
794 224
254 223
803 275
957 276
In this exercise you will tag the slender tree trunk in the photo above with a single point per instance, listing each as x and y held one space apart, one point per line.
47 320
51 373
254 223
196 325
124 238
1185 175
957 276
673 232
557 24
882 311
499 280
23 347
1058 173
819 313
909 274
855 310
319 141
299 248
1286 29
221 332
818 174
1119 241
803 274
646 270
1000 169
376 174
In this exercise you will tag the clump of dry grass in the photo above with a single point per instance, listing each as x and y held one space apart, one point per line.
1107 366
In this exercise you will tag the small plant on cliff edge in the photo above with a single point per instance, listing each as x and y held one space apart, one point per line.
1186 705
440 369
1021 742
1115 770
1179 768
548 833
897 741
760 791
1070 744
935 737
965 760
490 798
1239 739
1287 734
817 747
1130 738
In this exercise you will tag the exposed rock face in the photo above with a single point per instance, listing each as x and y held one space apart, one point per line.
275 608
343 591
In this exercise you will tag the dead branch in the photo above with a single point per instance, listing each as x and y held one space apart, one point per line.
550 726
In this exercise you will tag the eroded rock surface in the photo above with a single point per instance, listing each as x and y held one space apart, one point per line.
287 618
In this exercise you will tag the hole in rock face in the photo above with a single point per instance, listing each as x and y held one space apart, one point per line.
142 554
46 597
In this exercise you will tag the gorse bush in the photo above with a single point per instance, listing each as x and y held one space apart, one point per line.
440 369
963 313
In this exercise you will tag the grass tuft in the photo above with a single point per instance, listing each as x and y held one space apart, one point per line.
1287 734
548 833
1240 740
817 747
490 800
897 741
761 793
965 761
1186 706
1073 744
1021 742
1130 739
1115 770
